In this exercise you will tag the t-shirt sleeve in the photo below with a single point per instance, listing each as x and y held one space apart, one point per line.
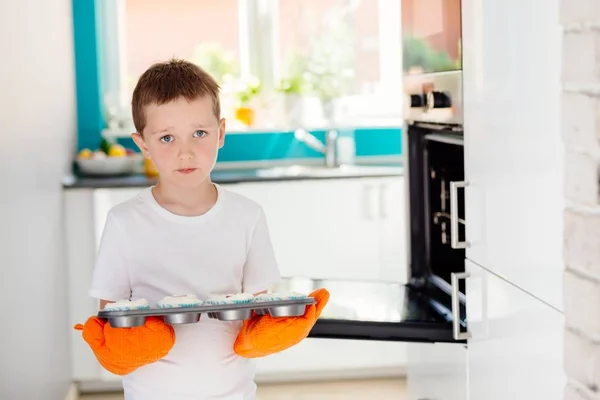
110 279
260 270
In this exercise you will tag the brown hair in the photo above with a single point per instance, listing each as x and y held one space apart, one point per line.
166 81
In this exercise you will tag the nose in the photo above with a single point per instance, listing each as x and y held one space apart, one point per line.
186 152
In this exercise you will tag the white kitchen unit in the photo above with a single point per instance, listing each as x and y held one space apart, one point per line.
513 150
516 346
335 229
80 253
331 359
391 197
349 228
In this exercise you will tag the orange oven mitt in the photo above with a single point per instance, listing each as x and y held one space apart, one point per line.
123 350
264 335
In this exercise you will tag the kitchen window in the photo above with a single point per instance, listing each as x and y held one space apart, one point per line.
309 63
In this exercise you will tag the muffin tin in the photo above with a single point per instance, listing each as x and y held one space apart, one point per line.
224 312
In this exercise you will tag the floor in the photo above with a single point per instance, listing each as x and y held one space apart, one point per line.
381 389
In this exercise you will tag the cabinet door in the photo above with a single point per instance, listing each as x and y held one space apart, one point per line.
516 345
321 229
511 86
316 358
393 245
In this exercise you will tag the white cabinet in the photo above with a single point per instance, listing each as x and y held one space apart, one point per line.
339 229
511 86
80 253
334 359
393 262
320 228
437 371
516 345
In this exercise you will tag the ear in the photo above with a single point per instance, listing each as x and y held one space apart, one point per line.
139 141
222 126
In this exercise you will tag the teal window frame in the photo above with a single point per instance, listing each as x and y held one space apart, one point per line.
88 49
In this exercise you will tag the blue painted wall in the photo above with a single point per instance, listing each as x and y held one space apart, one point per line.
238 147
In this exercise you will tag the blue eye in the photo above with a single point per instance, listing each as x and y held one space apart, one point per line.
166 139
200 134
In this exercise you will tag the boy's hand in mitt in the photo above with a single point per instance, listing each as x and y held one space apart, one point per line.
264 335
123 350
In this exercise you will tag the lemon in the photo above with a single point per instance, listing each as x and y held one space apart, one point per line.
85 154
116 150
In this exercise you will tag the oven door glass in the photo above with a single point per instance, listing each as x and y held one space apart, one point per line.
381 311
431 36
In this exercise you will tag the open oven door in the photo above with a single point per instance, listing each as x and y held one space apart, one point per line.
415 312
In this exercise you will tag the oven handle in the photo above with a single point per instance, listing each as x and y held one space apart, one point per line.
455 243
456 333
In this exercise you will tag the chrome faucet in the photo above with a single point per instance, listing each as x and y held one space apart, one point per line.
328 149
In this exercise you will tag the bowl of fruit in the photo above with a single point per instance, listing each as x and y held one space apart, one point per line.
109 159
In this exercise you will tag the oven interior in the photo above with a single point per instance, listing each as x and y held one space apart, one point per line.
436 158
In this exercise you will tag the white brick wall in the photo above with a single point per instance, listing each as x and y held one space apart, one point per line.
582 305
573 392
581 168
579 118
582 241
580 115
585 368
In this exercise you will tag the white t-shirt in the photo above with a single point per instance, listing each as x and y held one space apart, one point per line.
148 252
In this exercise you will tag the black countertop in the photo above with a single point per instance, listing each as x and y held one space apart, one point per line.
268 174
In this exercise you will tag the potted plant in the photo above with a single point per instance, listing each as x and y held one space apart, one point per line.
292 88
331 60
246 91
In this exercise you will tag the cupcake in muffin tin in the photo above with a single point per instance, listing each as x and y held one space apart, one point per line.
176 301
226 299
127 305
282 296
230 299
280 311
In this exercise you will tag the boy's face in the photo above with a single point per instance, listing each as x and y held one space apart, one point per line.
182 139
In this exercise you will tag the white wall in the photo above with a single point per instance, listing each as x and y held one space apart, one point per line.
37 136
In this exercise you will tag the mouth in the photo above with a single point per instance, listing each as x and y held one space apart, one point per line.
186 170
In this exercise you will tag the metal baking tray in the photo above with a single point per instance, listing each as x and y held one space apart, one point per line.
190 315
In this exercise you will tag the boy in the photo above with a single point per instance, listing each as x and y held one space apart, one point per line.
186 235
